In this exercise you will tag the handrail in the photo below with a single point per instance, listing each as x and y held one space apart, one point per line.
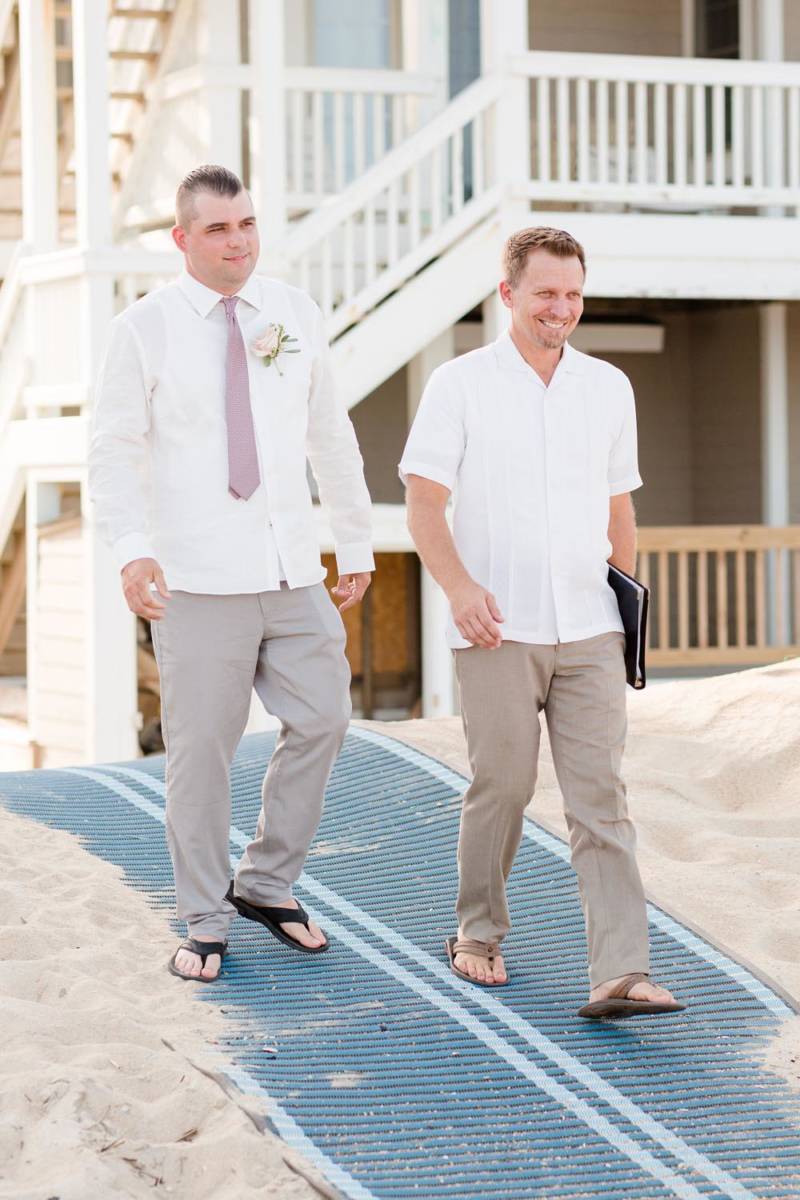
473 100
634 68
358 79
6 13
10 291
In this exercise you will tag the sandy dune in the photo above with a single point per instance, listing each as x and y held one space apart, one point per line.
102 1090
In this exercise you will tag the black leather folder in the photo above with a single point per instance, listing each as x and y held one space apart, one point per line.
632 598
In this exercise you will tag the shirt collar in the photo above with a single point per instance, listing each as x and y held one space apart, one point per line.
510 358
203 299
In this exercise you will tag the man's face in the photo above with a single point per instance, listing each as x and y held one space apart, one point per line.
221 242
547 302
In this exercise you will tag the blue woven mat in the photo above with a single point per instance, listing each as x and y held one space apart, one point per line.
397 1079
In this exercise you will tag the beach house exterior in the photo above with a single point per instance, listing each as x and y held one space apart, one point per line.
390 146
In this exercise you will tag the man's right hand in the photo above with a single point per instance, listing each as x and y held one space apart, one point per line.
136 579
476 614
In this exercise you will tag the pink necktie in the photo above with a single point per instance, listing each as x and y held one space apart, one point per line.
243 473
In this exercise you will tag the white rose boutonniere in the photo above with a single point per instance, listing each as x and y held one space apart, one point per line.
273 342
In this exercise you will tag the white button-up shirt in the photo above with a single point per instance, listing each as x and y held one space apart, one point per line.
531 469
158 463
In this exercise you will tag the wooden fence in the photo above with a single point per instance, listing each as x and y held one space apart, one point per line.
721 593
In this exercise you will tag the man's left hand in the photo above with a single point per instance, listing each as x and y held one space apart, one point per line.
351 588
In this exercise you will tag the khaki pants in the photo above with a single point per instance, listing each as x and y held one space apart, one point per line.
581 687
211 652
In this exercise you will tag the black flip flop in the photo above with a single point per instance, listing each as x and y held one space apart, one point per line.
203 949
272 916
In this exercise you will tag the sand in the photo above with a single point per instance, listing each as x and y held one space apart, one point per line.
103 1087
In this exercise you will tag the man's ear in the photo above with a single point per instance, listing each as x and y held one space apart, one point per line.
504 289
179 237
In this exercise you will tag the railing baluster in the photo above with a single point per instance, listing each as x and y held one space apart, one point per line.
348 264
398 120
793 101
722 598
702 599
741 598
623 133
563 132
737 135
683 599
583 129
796 606
436 168
318 147
699 133
782 634
370 255
414 222
643 573
601 118
543 132
338 141
478 134
679 138
663 600
457 168
718 134
761 599
757 137
297 141
326 282
378 127
661 133
392 224
640 94
359 134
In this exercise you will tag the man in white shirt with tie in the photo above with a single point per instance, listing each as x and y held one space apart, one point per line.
215 390
537 444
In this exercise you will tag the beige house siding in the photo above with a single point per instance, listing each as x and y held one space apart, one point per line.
726 420
59 689
614 27
381 425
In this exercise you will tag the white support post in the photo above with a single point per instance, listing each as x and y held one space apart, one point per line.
438 683
425 52
222 95
268 118
771 48
774 440
747 38
42 503
38 124
422 365
496 317
112 702
90 87
504 34
688 39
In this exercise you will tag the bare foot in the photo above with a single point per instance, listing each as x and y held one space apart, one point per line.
643 990
478 967
313 937
192 964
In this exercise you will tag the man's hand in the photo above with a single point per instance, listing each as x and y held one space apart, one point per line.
476 614
351 589
136 579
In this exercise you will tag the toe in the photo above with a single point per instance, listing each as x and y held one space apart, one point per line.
211 969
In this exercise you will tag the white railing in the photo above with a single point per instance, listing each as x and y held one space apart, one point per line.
404 212
341 122
689 132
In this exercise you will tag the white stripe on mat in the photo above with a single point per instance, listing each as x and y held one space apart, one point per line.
284 1123
546 840
532 1036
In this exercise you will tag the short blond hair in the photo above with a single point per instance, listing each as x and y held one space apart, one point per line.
538 237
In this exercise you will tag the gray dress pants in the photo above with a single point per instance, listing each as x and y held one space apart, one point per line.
212 651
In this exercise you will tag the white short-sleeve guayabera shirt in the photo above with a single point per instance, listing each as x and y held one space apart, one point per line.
531 469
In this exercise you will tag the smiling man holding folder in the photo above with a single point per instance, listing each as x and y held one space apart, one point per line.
537 442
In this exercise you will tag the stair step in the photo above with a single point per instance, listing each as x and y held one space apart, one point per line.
138 96
123 135
143 14
134 55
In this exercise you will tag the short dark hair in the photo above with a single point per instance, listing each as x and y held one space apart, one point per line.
206 178
538 237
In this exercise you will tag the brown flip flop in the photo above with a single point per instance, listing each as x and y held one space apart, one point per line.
618 1005
486 950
